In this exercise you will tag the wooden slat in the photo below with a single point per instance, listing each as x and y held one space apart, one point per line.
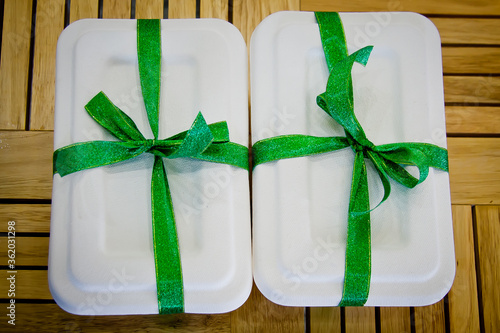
179 9
26 164
14 64
480 60
477 7
360 319
430 318
81 9
261 315
325 320
395 319
462 298
49 24
29 251
51 318
149 9
118 9
470 119
488 239
474 170
468 30
472 90
247 14
29 285
28 217
214 9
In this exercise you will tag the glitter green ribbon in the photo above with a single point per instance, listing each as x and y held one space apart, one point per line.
201 141
389 159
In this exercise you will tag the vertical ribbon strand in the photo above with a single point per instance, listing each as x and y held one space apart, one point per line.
169 284
170 290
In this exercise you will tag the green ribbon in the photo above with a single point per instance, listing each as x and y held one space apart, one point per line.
389 159
201 141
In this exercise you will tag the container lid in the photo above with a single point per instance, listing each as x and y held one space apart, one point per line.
300 204
101 252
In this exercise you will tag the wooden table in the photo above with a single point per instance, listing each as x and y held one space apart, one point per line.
470 33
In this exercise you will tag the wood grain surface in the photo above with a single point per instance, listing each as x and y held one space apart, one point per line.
449 7
474 170
259 314
214 9
30 251
473 120
430 318
14 63
178 9
325 319
28 217
488 240
462 298
394 319
117 9
149 9
360 319
51 318
82 9
470 36
49 24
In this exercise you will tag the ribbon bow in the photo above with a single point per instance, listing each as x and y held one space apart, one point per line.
201 141
388 160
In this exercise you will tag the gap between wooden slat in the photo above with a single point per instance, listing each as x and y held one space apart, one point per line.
14 64
488 245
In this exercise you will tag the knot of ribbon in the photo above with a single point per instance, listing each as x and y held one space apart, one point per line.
389 159
202 141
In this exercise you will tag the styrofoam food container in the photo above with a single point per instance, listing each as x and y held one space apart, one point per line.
300 204
101 251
